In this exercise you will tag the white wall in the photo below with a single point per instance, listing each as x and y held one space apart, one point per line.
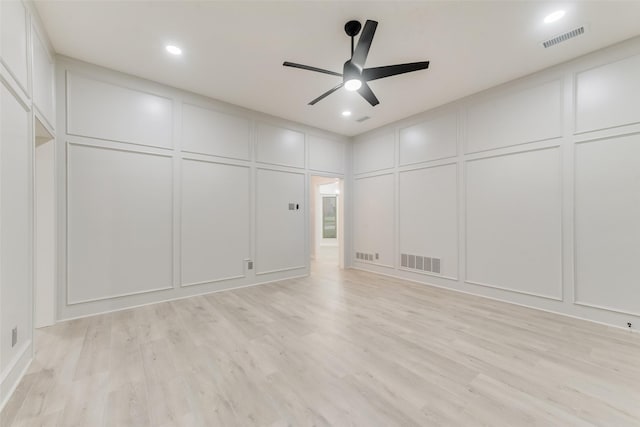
164 194
26 92
527 192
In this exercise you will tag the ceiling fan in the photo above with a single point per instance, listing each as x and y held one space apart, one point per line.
354 75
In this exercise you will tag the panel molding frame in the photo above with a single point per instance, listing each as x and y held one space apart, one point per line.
11 85
256 133
574 101
182 283
208 282
279 270
561 284
608 133
37 32
24 89
374 263
574 298
510 90
458 213
308 137
221 112
255 229
432 117
426 273
67 283
503 288
375 174
605 308
365 138
208 158
100 79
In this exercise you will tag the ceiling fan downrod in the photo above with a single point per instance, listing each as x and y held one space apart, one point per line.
352 28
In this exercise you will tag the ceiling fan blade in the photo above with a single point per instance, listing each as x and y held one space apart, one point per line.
327 93
364 44
367 94
310 68
375 73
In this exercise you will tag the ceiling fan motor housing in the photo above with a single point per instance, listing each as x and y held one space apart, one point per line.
351 71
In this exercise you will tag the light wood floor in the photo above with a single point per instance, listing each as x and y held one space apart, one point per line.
339 348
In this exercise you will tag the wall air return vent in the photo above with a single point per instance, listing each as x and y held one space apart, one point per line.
420 263
404 260
435 265
563 37
365 257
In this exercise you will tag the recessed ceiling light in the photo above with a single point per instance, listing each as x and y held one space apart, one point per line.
553 17
353 84
346 113
174 50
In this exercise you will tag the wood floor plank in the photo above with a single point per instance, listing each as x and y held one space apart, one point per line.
339 348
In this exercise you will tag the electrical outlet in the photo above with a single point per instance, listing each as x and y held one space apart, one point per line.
14 336
629 325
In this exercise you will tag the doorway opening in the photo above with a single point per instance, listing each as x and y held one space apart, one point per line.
44 219
327 219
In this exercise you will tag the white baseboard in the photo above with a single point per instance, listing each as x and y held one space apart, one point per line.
494 298
15 371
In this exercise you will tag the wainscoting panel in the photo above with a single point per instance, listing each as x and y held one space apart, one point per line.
280 221
102 110
433 139
373 153
215 221
119 223
608 95
373 229
326 155
280 146
428 215
607 227
513 222
211 132
519 117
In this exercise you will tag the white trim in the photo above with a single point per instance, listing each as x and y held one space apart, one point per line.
207 282
503 288
174 298
279 270
505 301
24 356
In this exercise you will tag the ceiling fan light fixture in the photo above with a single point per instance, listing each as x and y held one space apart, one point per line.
352 84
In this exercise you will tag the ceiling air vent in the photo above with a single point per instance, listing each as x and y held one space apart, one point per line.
563 37
362 119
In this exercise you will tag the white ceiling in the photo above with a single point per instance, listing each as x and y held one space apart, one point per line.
233 51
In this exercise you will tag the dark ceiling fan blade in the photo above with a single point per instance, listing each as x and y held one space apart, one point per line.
310 68
368 94
375 73
364 43
327 93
